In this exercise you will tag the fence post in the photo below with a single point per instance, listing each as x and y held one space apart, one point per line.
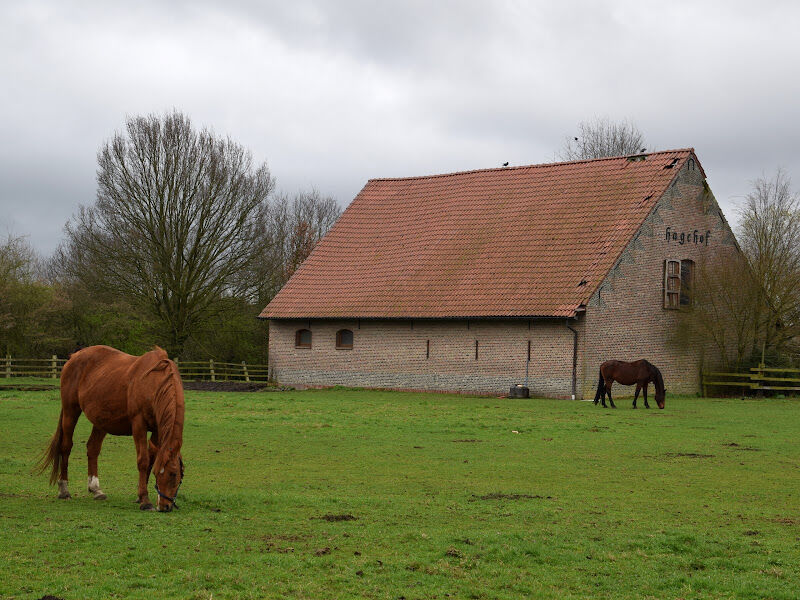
211 368
8 366
244 370
53 364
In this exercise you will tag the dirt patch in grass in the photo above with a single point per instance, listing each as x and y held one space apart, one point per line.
501 496
785 521
289 537
466 441
49 597
29 388
336 518
741 448
686 455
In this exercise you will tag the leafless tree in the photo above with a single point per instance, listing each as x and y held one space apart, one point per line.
602 137
177 219
748 304
292 226
725 310
769 234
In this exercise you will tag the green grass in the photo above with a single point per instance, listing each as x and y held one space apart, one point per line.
697 501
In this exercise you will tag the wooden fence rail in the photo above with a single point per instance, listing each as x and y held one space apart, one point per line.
757 379
191 370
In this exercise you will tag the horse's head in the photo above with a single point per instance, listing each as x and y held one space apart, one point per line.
660 396
169 476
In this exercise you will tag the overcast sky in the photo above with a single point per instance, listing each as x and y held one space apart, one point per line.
331 94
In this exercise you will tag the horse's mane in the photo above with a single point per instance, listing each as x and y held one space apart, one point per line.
659 379
165 405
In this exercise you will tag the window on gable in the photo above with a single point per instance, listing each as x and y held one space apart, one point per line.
344 339
302 338
687 282
678 283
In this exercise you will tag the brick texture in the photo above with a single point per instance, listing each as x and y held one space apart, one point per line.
392 354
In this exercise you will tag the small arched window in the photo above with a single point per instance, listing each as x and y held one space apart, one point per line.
302 338
344 339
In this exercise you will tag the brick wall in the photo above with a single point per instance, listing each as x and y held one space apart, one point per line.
626 320
392 354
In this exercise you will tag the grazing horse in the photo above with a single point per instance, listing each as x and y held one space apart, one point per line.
639 372
122 395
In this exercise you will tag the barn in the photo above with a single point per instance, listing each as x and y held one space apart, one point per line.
478 280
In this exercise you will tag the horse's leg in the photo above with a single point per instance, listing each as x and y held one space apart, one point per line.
142 462
605 391
153 449
610 399
69 418
646 405
92 452
636 394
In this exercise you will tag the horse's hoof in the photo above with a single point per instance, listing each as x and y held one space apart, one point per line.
64 496
100 497
147 506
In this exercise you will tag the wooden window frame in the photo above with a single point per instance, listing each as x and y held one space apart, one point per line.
298 343
676 282
343 346
672 284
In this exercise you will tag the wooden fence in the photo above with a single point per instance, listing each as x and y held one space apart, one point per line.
757 379
210 370
195 370
32 367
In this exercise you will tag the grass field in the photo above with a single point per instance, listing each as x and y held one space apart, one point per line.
349 494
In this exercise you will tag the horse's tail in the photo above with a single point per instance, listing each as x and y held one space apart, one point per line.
52 456
601 387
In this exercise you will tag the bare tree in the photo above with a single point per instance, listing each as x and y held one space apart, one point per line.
293 226
603 137
724 310
178 218
748 304
769 234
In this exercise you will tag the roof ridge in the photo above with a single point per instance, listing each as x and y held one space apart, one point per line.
532 166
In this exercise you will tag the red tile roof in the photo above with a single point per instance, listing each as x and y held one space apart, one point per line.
510 242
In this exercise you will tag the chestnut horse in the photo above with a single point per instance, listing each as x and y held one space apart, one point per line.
122 395
639 372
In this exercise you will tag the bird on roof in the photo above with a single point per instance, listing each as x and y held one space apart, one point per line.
643 150
505 164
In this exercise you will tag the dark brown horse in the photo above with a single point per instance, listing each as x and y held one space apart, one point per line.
122 395
639 372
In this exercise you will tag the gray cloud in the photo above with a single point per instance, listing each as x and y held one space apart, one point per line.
332 94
